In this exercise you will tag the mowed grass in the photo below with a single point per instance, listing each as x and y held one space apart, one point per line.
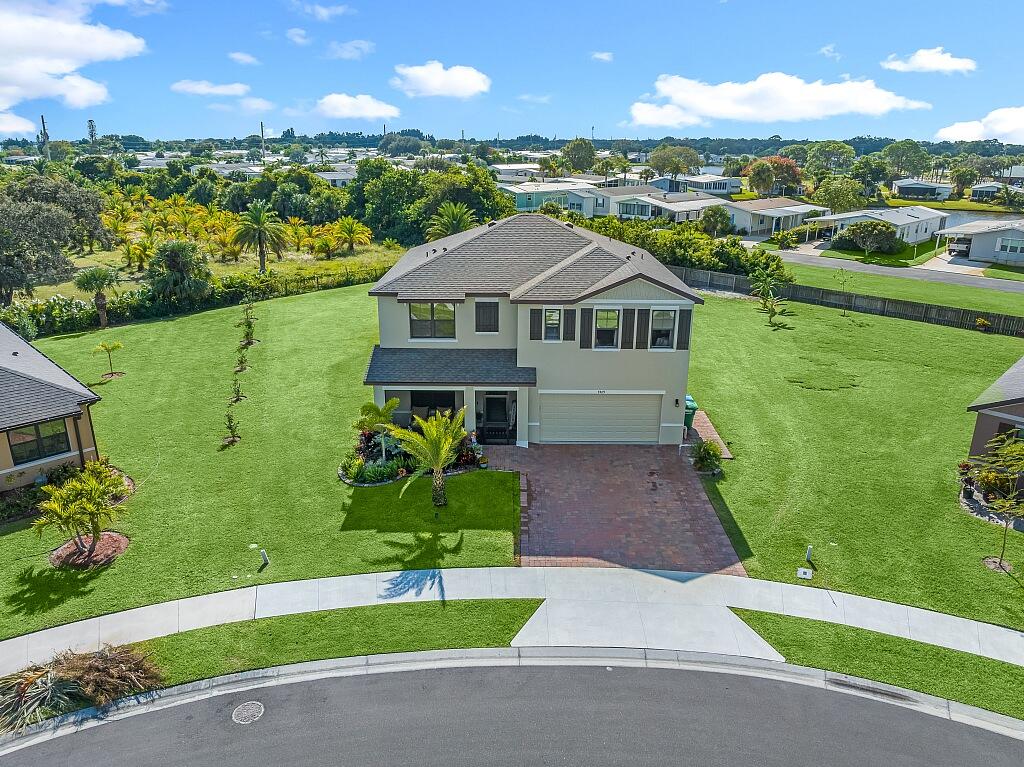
950 674
906 256
847 432
909 289
267 642
291 264
202 512
1004 272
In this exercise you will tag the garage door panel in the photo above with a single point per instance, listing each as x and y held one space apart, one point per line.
600 417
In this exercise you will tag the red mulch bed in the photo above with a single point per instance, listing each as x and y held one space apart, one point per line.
110 547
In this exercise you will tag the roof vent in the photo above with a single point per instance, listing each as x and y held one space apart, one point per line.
14 354
569 224
491 223
434 250
629 257
444 250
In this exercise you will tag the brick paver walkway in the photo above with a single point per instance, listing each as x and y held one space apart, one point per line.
616 506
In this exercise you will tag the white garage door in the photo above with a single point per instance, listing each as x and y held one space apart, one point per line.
627 418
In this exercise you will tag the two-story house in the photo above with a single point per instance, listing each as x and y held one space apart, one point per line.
544 331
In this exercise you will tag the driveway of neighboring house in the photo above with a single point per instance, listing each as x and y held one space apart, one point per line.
616 506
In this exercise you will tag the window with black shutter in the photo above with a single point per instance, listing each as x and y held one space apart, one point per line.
486 316
536 324
569 325
586 328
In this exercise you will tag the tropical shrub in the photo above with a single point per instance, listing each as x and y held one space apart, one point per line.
870 237
707 456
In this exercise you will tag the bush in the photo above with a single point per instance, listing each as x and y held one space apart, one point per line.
785 240
874 236
24 501
707 456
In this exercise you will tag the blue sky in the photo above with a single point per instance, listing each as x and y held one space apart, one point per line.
184 68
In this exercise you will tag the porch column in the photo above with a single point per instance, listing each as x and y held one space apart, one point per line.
469 399
522 416
378 396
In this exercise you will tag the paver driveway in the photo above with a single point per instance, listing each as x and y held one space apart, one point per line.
617 506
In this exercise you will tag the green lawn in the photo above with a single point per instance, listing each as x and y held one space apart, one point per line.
234 647
967 204
201 512
291 264
1003 272
846 432
980 299
950 674
905 257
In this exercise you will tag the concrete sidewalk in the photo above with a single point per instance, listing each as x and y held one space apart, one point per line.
584 607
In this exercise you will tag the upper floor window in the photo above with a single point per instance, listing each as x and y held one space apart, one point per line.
606 329
432 320
486 316
41 440
552 324
663 323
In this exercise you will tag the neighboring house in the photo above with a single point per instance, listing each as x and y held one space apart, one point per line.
913 223
604 181
337 178
706 182
511 173
1000 408
19 159
545 332
985 191
44 414
768 215
529 196
916 189
997 242
680 206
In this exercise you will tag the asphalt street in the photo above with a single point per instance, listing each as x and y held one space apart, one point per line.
533 716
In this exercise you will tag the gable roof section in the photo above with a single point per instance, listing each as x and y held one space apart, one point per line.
1008 389
32 387
530 258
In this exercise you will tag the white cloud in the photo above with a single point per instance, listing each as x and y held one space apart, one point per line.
42 47
353 50
361 107
1006 125
206 88
929 60
255 104
606 56
535 98
829 52
771 97
322 12
433 79
241 57
298 36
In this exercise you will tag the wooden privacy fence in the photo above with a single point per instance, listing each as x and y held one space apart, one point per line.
950 316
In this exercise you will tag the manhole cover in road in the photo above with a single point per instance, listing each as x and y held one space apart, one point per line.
247 713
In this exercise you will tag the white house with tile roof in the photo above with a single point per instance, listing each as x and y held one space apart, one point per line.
914 223
545 332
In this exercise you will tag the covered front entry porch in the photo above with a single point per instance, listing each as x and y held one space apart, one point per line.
496 414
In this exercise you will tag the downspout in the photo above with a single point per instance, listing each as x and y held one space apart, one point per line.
78 440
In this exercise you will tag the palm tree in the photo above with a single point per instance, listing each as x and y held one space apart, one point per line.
647 173
549 166
297 232
321 154
351 232
96 281
261 230
378 419
82 504
451 218
435 446
108 348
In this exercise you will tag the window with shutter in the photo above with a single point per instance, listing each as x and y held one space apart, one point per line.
569 325
536 324
643 326
586 328
683 337
486 316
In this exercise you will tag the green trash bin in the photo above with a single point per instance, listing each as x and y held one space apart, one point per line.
691 411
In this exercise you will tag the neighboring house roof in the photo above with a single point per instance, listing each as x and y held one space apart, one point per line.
985 227
765 203
413 366
628 191
920 182
328 175
32 387
1008 389
528 187
896 216
708 178
528 257
516 166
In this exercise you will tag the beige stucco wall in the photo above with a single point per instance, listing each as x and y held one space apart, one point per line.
12 476
393 320
987 425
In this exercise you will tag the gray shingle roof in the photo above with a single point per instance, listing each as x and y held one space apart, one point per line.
1008 389
516 257
414 366
32 387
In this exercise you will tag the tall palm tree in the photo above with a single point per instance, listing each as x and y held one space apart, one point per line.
351 232
549 166
435 446
451 218
261 230
96 281
321 154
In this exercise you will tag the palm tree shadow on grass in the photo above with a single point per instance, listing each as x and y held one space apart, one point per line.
419 560
39 590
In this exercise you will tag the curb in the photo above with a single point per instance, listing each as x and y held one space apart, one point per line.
361 665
